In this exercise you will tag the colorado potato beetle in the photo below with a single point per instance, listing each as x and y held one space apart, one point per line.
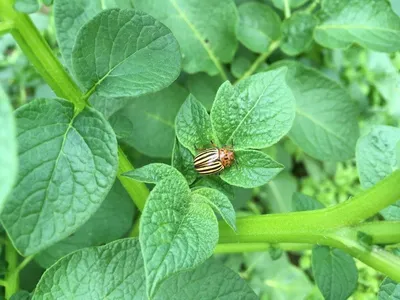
213 160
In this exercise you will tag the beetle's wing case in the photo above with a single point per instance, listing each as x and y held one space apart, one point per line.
208 162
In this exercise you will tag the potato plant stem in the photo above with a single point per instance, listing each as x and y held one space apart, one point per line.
11 277
286 5
46 63
6 27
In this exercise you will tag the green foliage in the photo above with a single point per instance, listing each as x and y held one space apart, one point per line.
301 202
258 26
335 272
371 23
389 289
26 6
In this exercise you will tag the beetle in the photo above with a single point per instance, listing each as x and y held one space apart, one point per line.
213 160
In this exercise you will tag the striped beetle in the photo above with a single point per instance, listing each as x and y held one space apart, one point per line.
213 160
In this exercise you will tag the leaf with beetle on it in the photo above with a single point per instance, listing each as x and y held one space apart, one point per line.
111 56
152 116
324 112
182 160
68 163
259 25
376 156
255 113
206 36
369 23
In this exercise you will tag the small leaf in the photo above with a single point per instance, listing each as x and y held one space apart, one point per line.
279 193
324 113
301 202
69 17
8 148
242 62
376 155
297 33
204 88
112 271
177 231
193 126
258 26
215 182
256 113
205 35
220 203
389 290
111 221
152 121
253 168
370 23
47 2
21 295
335 273
210 280
292 3
182 160
26 6
122 53
152 173
68 163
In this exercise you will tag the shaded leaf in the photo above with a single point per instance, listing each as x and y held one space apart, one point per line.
292 3
215 182
182 160
279 193
253 168
389 290
68 163
121 53
26 6
301 202
335 272
369 23
204 88
152 173
258 26
205 35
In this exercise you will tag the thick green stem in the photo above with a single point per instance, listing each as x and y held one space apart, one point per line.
42 57
11 277
386 232
6 27
258 247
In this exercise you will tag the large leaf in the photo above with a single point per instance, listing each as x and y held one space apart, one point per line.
252 168
256 113
326 117
151 120
111 221
204 88
211 280
177 231
259 25
70 16
297 33
376 158
370 23
389 290
113 271
68 163
205 30
335 273
193 125
8 148
123 52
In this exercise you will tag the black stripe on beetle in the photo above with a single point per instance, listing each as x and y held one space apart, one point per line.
213 160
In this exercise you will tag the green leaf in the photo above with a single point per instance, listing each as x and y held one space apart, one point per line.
151 118
109 107
206 36
369 23
253 168
255 113
376 155
395 6
389 290
301 202
173 225
8 148
21 295
193 125
242 61
211 280
47 2
204 88
111 221
113 271
297 33
335 273
215 182
182 160
68 163
326 125
152 173
220 203
26 6
279 193
292 3
121 53
69 17
259 25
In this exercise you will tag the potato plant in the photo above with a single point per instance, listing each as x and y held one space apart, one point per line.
305 92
